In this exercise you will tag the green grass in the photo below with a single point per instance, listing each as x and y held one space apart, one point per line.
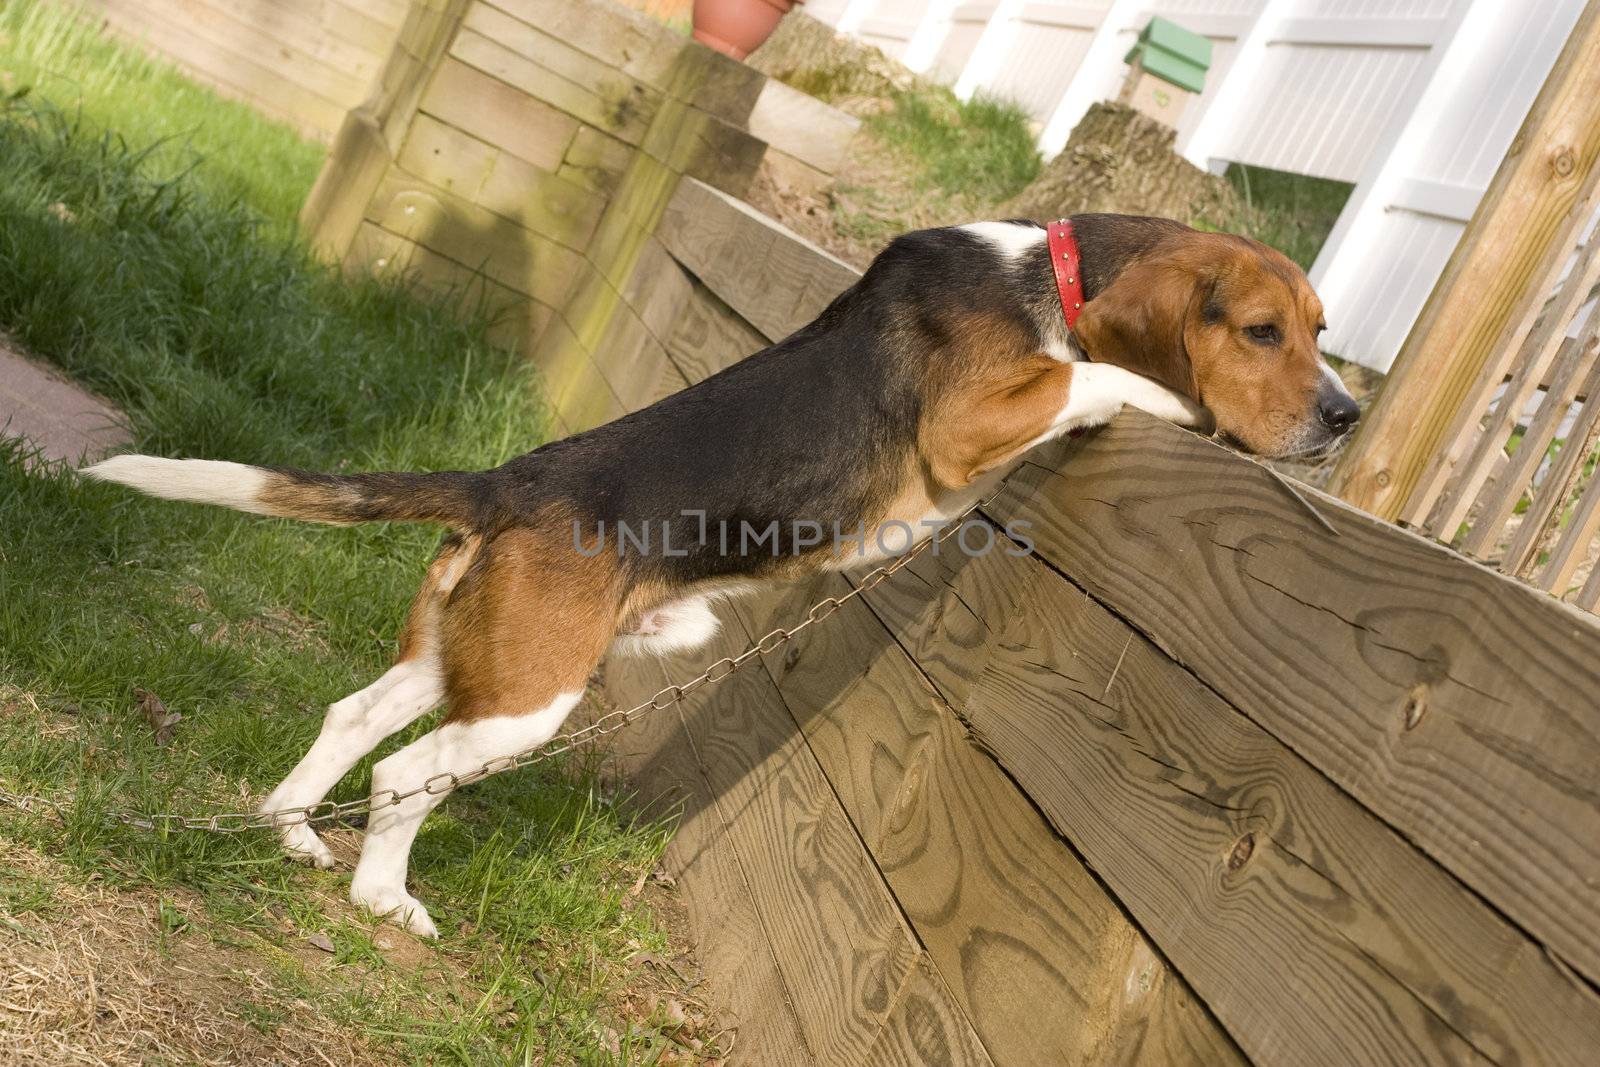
177 294
1293 213
981 148
48 51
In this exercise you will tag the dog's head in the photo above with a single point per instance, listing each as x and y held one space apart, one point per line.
1234 325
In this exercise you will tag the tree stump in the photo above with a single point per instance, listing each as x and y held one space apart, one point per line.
1121 161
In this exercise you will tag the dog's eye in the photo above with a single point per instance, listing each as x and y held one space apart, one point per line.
1266 333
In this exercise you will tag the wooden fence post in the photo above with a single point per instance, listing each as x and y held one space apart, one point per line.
1493 286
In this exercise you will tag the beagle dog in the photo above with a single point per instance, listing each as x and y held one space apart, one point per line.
906 400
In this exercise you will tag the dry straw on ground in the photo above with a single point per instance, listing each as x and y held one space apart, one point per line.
97 976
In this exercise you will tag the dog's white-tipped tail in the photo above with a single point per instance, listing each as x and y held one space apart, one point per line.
455 498
203 481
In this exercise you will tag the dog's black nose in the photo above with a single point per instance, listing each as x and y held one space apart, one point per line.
1338 411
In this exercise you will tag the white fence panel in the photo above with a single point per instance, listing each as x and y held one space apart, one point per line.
1420 187
1037 51
890 25
828 11
967 23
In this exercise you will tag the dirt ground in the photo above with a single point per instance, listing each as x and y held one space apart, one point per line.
96 975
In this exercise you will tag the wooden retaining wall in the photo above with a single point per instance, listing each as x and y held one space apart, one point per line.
1196 782
307 62
523 152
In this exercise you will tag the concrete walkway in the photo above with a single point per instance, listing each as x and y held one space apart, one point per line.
63 421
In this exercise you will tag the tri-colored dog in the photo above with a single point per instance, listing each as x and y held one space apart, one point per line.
905 401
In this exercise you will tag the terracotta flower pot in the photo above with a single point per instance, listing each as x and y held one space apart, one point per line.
737 27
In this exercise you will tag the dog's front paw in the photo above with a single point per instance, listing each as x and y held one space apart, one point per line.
304 846
299 840
396 905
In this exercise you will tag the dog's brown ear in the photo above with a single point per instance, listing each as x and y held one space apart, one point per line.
1140 321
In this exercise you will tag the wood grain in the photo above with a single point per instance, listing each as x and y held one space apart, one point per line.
1454 703
775 279
709 335
1268 886
730 943
482 174
838 938
492 111
925 1028
1002 907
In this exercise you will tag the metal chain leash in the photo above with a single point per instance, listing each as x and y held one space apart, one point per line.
234 822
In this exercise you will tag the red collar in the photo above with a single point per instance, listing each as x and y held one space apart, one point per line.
1068 264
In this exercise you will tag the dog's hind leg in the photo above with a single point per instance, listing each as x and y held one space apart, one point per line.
352 728
357 724
519 639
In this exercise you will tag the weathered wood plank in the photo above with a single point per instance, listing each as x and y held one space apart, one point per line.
838 937
346 42
234 73
217 32
637 45
474 237
1230 848
1454 703
619 106
926 1028
370 25
802 126
775 279
657 759
689 141
595 160
586 88
1010 919
356 164
510 187
709 336
658 290
492 111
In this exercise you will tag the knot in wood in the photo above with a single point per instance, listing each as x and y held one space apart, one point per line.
1242 850
791 657
1416 705
1563 162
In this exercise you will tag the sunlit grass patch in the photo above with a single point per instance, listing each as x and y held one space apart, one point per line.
221 337
51 52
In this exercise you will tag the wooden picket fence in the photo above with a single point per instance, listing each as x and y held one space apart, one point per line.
1485 434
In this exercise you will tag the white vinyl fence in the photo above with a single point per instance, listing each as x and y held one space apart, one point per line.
1412 101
